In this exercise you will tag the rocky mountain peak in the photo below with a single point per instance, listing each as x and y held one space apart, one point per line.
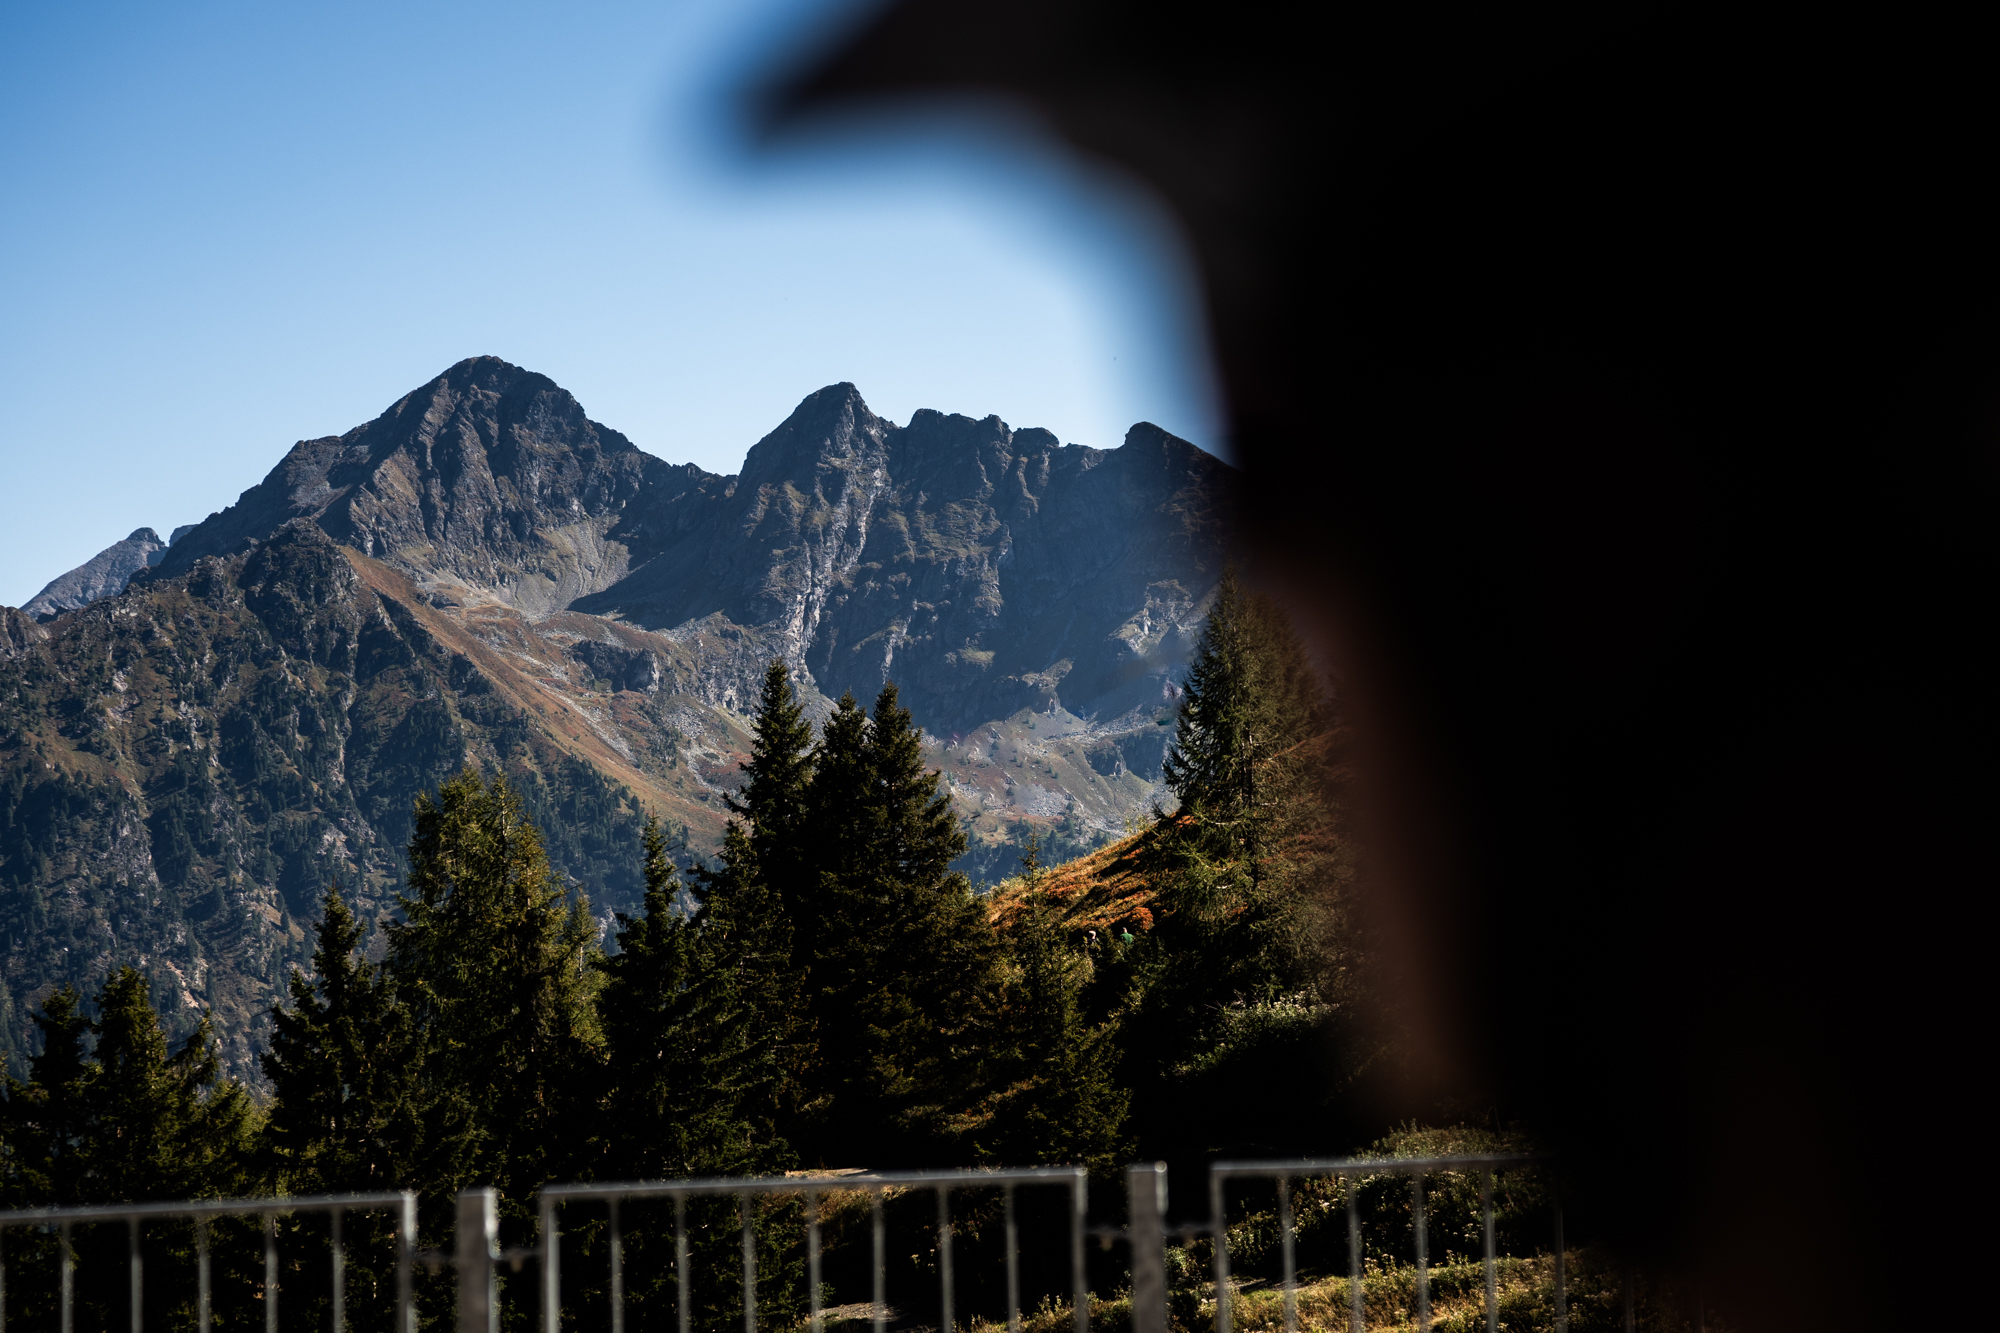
103 575
490 478
832 429
483 574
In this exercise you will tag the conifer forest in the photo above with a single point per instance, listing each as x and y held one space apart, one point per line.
825 993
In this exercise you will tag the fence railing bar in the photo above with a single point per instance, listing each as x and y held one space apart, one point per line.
339 1265
1079 1195
1146 1191
1013 1239
1290 1276
817 1322
1357 1312
135 1267
201 1300
119 1212
749 1265
683 1280
881 1307
68 1281
270 1273
406 1253
614 1238
551 1229
3 1284
946 1305
1492 1268
615 1253
1220 1221
1421 1226
1562 1286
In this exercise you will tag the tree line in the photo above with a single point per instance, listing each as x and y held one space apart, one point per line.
827 992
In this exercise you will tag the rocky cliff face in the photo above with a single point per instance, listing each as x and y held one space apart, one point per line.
484 575
103 575
985 570
488 480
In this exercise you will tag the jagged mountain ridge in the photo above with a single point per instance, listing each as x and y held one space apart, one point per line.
985 569
483 574
103 575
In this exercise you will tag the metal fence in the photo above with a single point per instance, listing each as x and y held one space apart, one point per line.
136 1215
1354 1170
478 1256
480 1318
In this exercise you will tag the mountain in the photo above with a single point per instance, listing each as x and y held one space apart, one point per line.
483 574
103 575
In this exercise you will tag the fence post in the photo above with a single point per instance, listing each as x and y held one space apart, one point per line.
478 1247
406 1257
1146 1188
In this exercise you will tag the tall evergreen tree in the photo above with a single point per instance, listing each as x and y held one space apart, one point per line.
691 1066
1057 1098
128 1119
1211 756
693 1071
902 967
774 799
48 1118
494 960
1241 864
350 1111
757 904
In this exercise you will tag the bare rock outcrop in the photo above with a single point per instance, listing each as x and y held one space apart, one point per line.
103 575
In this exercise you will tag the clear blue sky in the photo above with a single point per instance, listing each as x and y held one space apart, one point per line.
227 227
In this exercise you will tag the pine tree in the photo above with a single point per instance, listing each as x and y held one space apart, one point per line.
495 966
1242 867
48 1118
693 1068
1251 706
1059 1099
758 903
131 1120
128 1120
774 799
691 1064
902 968
1211 758
349 1112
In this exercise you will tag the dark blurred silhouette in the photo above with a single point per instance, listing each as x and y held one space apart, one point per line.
1618 392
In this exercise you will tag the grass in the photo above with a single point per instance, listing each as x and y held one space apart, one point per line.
1525 1288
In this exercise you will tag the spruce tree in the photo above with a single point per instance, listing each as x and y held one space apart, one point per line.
1211 757
773 801
1241 867
494 960
1059 1099
48 1118
350 1112
757 904
692 1066
901 970
130 1119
